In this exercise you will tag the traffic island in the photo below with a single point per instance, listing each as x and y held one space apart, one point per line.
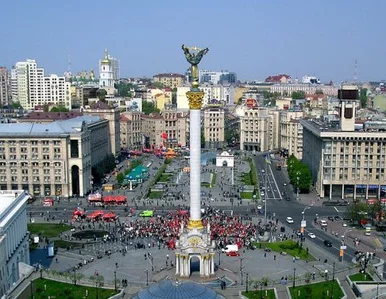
288 247
258 294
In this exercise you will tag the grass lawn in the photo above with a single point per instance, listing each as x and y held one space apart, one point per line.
317 290
267 294
360 277
246 195
155 194
55 289
213 179
247 180
164 178
290 247
49 230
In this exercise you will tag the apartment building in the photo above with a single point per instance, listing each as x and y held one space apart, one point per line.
4 87
345 163
31 88
291 132
259 129
167 129
171 80
214 119
131 130
217 77
111 114
54 158
287 89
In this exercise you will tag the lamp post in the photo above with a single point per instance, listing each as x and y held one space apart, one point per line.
241 269
219 255
297 187
246 283
332 281
303 223
343 246
115 280
74 276
147 277
293 283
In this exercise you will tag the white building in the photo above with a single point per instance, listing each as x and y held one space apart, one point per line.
30 88
14 243
224 94
287 89
291 132
108 71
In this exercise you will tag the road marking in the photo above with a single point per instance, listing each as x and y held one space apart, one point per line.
336 209
274 179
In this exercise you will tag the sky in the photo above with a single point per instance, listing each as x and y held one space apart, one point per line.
254 38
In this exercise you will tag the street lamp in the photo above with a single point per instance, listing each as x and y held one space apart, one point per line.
297 187
246 283
219 255
74 276
147 277
115 280
293 283
303 223
241 269
342 248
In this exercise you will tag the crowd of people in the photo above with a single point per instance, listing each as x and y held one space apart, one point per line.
164 231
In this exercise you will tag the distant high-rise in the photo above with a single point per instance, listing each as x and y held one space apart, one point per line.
31 88
213 77
4 86
108 70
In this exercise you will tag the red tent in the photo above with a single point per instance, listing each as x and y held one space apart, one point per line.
95 197
109 199
48 202
109 215
120 199
371 201
78 212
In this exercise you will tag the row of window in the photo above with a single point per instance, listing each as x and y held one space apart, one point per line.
14 179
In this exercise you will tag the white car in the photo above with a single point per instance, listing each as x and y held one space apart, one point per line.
344 224
259 207
285 184
312 235
262 193
289 220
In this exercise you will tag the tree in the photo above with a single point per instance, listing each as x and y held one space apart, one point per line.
149 107
16 105
363 97
174 96
158 85
356 211
101 94
239 101
319 91
300 174
298 95
124 89
59 108
120 177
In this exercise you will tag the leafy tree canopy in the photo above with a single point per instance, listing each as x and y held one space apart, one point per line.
149 107
300 174
59 108
297 95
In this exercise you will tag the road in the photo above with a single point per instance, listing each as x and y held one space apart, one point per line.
278 184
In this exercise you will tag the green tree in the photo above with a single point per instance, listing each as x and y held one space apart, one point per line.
59 108
149 107
158 85
124 89
174 96
297 95
300 174
319 91
45 108
120 177
357 211
101 94
240 101
16 105
363 97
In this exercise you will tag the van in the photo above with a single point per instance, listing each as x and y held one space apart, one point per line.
323 223
147 213
229 248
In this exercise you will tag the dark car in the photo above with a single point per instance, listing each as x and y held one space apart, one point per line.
330 218
337 218
327 243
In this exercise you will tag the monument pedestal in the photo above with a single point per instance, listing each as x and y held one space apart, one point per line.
195 243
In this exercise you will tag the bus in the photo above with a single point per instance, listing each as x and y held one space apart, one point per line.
278 166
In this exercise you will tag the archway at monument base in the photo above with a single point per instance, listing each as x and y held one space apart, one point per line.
194 264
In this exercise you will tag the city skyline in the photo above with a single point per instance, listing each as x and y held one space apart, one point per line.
255 39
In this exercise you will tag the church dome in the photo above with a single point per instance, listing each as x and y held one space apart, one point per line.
168 289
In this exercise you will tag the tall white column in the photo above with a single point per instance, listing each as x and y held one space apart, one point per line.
195 164
212 268
177 264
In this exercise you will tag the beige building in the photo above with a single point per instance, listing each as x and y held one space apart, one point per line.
345 163
287 89
111 114
291 132
170 79
170 124
4 87
214 126
131 130
259 129
54 158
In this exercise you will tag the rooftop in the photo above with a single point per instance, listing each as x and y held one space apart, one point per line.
68 126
